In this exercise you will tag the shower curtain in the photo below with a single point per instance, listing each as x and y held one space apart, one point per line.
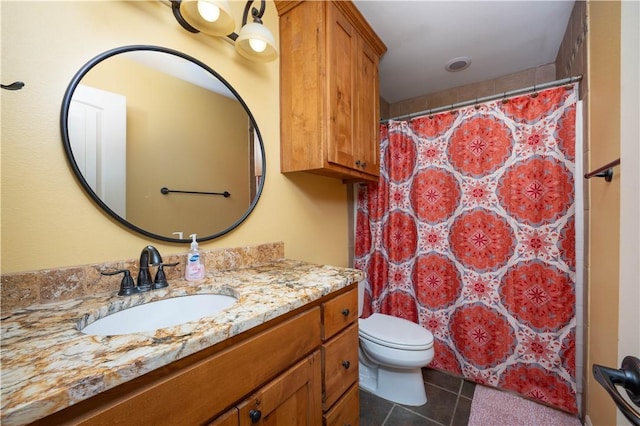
470 233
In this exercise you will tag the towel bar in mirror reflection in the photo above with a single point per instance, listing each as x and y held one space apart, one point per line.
136 117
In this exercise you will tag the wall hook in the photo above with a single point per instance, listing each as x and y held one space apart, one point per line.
16 85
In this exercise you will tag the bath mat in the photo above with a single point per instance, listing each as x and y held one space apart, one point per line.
497 408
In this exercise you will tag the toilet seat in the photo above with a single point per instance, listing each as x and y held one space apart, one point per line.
395 332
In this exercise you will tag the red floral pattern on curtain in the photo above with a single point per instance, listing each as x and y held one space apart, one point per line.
470 232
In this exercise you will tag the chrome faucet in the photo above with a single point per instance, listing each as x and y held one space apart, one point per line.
149 256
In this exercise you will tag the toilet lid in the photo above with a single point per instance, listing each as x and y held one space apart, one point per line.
395 332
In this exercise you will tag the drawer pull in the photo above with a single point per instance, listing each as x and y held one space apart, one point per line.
255 415
345 312
346 364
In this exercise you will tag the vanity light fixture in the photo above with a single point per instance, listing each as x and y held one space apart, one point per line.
254 41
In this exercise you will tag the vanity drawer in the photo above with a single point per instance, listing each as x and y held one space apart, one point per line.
339 312
346 411
340 362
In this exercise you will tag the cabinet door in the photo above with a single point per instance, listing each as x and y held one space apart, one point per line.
341 51
291 399
367 93
230 418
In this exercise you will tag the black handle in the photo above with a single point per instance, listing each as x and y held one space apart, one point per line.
629 378
127 286
255 415
345 312
361 164
16 85
160 281
346 364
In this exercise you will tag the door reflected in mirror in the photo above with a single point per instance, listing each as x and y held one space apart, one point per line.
141 118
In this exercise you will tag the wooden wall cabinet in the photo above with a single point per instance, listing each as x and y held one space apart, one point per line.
285 372
329 95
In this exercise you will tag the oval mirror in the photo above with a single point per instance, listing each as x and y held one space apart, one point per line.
162 143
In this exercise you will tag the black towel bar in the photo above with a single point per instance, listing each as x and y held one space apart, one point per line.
166 190
605 171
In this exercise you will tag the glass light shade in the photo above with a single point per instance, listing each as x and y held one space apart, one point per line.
209 11
253 37
257 45
200 14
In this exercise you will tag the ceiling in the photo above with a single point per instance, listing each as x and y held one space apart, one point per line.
500 38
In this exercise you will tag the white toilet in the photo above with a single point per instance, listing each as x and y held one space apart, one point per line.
391 354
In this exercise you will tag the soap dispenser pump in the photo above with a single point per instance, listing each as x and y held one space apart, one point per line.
195 267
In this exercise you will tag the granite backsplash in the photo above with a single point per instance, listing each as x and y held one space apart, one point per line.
22 289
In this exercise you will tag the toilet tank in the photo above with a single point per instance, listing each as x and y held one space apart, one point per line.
360 297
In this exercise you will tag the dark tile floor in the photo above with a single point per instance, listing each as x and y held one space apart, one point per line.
448 403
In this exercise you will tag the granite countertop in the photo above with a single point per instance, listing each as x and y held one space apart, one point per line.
48 364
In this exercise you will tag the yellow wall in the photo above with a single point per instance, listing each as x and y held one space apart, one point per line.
604 201
48 221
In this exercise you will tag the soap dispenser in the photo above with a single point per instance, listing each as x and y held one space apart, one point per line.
195 266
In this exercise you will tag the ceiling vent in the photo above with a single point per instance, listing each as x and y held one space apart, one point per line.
458 64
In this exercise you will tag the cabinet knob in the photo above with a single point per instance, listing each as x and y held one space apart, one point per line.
346 364
361 164
255 415
345 312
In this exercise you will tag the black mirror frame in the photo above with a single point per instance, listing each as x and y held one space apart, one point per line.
66 102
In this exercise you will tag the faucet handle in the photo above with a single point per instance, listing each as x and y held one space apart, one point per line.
127 285
160 281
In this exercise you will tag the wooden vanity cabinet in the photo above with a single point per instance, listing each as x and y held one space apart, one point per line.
291 399
329 94
340 403
281 369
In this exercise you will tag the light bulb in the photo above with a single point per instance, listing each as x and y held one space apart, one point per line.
209 11
257 45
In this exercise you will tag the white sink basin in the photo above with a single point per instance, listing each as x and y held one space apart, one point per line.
161 314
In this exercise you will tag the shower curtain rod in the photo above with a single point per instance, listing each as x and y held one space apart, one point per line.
476 101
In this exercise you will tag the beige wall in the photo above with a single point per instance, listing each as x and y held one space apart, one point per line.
48 221
603 122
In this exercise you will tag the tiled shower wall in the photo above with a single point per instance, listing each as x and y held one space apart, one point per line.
469 92
571 61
